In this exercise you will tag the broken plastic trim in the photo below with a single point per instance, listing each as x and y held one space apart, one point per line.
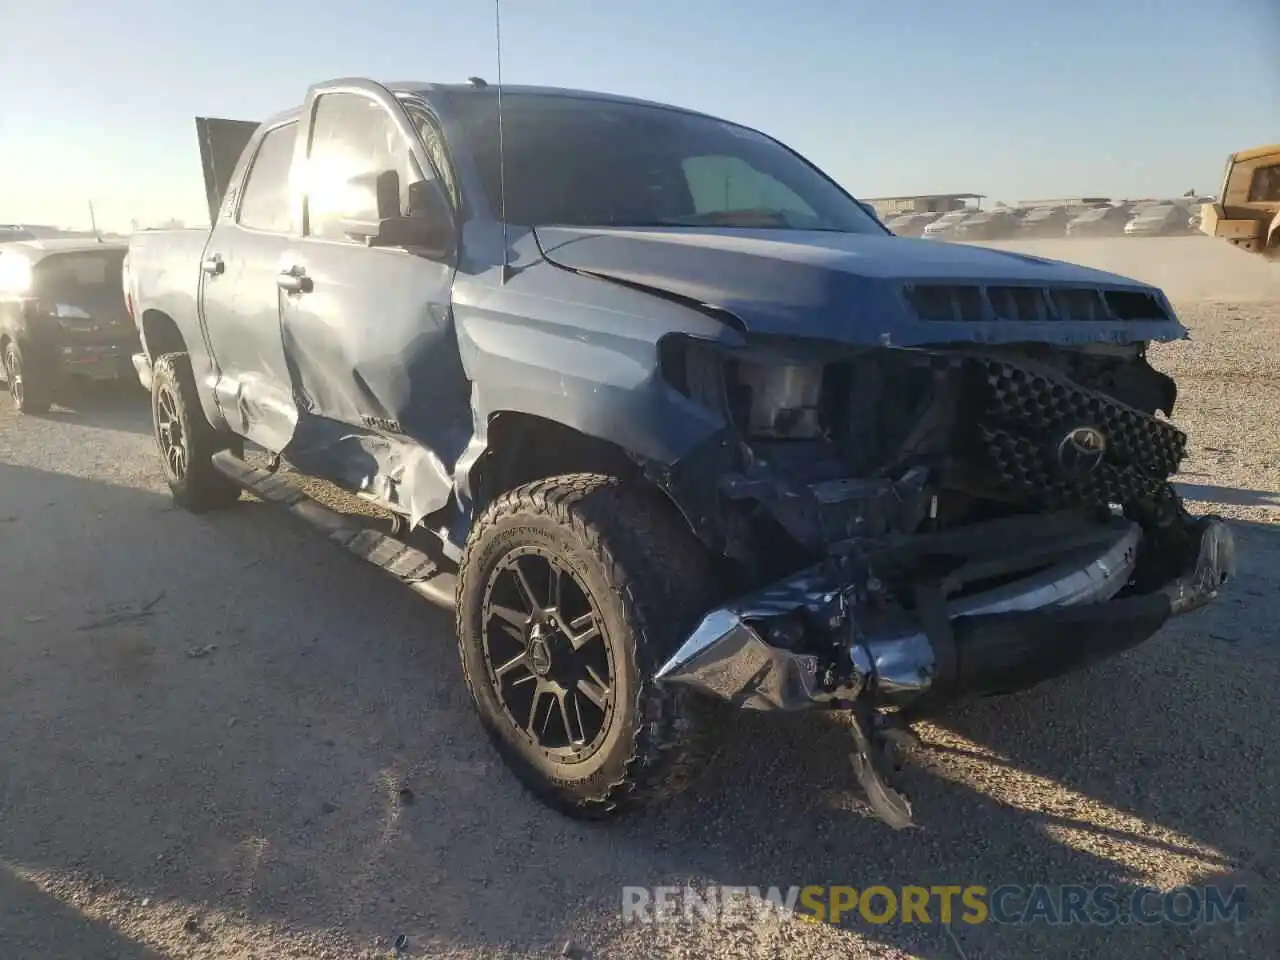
728 657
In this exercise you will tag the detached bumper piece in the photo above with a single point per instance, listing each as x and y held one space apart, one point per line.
836 636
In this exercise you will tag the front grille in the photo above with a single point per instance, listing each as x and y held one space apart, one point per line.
944 302
1021 421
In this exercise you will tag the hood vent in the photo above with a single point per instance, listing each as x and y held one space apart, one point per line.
941 302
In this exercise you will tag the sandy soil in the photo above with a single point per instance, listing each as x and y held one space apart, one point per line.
207 725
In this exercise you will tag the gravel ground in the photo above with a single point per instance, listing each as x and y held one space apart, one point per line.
209 725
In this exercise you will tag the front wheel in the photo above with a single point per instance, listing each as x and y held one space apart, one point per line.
28 395
573 591
186 439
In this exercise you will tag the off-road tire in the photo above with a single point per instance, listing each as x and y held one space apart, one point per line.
32 397
651 581
199 487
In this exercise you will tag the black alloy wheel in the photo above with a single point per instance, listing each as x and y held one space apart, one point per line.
170 435
546 656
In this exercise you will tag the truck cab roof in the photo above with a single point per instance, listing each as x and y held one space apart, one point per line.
425 89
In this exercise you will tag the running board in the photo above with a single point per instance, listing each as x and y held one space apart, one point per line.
410 566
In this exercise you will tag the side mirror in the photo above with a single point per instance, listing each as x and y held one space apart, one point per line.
427 227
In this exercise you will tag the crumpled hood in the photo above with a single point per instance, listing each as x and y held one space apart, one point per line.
866 288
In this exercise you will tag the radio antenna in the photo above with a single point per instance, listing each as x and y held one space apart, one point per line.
93 223
502 151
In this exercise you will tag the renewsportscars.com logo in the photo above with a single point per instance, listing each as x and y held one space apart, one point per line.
972 904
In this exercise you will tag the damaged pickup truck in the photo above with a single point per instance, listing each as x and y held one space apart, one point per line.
670 421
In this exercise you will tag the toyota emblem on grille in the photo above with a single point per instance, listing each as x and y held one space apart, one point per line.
1081 450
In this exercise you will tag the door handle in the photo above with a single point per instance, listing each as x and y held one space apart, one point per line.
295 280
213 265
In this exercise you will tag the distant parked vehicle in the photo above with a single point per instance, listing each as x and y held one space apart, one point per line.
1100 221
987 225
1159 220
911 224
1045 222
12 233
1246 213
62 316
944 228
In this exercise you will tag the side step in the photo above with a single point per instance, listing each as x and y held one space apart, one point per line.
411 567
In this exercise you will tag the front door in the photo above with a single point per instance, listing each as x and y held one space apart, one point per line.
241 294
370 337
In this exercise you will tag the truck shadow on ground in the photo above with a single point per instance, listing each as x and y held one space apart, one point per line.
121 407
247 723
37 925
1231 496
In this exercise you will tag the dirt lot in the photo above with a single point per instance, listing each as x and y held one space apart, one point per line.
208 727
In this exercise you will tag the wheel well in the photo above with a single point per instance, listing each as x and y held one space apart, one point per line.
160 335
523 448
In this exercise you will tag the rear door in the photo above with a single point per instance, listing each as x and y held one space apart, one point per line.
240 292
369 336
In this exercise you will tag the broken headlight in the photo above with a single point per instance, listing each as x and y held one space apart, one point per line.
780 401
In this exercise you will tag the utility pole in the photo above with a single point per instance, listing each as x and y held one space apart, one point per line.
93 222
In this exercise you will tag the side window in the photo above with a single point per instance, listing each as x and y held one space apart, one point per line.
434 144
266 196
1265 186
352 136
721 184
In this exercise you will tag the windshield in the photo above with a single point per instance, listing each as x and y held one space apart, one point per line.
576 161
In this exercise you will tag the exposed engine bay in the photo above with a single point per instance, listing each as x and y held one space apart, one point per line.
894 441
921 525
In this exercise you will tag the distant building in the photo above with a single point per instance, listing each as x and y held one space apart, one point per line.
924 203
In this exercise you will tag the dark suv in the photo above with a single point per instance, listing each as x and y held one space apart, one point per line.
62 316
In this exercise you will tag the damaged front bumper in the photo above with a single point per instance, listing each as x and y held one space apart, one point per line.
833 635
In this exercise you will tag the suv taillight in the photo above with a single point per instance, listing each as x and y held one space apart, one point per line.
124 280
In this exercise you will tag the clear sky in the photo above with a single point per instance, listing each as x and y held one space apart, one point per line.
1016 99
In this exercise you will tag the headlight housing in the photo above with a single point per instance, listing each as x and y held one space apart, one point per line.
781 401
768 392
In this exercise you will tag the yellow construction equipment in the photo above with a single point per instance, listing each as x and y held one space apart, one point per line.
1247 212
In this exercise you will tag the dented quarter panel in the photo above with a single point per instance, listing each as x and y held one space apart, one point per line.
844 287
165 278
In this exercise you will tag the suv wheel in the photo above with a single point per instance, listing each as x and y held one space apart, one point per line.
187 440
572 592
28 396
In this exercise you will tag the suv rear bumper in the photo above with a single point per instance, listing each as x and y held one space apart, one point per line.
1000 641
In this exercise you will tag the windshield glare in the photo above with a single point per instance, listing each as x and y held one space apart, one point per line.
576 161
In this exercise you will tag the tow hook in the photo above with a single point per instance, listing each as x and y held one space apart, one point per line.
879 744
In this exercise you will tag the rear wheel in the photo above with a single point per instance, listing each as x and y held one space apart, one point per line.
187 440
573 592
28 395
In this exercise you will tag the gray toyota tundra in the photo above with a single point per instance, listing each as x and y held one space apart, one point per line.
670 420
